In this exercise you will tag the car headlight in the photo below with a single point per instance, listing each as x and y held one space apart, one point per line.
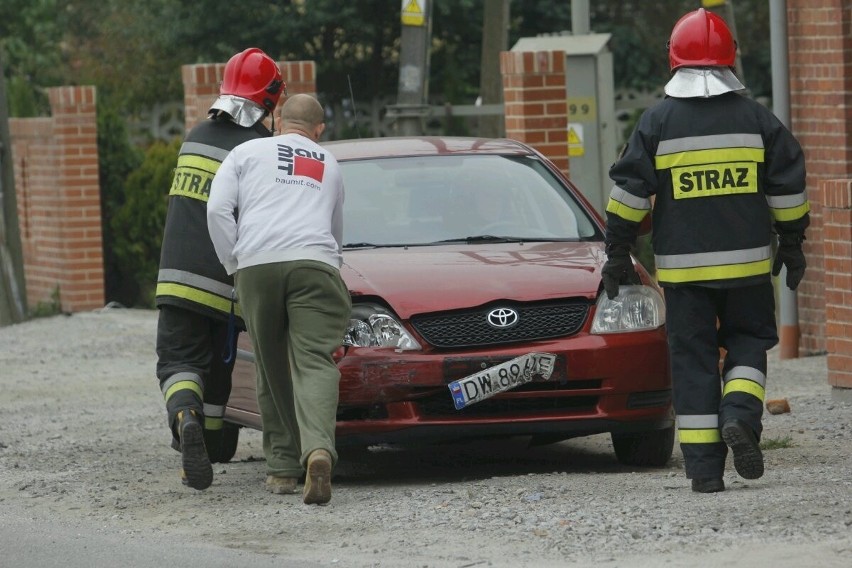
636 308
372 326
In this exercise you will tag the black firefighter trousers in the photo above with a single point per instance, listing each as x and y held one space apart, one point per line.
703 399
192 371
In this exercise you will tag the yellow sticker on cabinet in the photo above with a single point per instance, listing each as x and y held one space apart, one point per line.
414 12
575 140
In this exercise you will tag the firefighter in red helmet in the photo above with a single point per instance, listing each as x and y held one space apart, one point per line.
724 174
199 318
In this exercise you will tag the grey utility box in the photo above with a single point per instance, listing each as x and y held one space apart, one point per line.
592 125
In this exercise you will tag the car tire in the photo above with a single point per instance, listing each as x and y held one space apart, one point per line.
230 438
645 449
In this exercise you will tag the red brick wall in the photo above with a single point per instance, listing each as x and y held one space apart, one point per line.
837 230
535 98
820 58
58 195
201 85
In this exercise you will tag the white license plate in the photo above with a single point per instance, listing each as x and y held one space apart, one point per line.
500 378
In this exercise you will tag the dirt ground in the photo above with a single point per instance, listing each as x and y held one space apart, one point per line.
84 447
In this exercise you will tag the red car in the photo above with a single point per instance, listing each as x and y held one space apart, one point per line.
474 267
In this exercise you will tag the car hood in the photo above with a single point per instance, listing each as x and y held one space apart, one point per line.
436 278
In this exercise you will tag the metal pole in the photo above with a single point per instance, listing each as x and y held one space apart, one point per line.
13 300
415 39
715 5
580 17
787 304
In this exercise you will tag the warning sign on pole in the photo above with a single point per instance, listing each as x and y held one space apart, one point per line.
575 140
414 12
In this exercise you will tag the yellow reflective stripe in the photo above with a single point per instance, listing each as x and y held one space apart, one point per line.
746 386
721 272
703 436
696 157
193 177
198 296
183 385
625 211
206 165
708 180
213 423
790 213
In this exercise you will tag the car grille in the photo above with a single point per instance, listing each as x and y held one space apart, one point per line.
470 328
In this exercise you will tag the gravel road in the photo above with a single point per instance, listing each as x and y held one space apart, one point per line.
85 464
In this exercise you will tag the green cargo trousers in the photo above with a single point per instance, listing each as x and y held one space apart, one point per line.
296 313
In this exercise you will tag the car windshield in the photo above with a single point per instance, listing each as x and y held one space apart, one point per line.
439 199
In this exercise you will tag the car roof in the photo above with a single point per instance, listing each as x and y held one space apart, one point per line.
402 146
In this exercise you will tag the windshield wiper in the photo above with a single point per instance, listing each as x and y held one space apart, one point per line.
470 239
387 245
496 239
491 239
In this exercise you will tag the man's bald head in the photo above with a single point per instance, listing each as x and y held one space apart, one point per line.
303 113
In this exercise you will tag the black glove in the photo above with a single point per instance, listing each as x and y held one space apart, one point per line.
790 254
618 269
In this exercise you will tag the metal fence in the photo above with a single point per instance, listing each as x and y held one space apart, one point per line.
364 119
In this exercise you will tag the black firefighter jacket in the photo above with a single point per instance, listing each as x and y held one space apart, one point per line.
722 172
190 274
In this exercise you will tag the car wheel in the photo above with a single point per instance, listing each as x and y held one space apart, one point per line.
230 437
647 449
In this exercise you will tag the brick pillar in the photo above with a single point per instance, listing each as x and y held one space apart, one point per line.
33 156
79 195
535 98
837 229
59 204
820 56
201 85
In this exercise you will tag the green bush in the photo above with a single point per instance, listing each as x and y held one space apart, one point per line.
117 157
137 226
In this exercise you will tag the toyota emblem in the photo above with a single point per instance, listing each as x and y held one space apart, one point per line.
502 318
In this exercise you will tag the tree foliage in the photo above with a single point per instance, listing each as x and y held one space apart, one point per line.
133 50
138 223
117 158
31 40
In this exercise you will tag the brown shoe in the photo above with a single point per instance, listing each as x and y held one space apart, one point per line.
318 478
281 485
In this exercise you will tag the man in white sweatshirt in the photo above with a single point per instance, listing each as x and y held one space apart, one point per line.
275 219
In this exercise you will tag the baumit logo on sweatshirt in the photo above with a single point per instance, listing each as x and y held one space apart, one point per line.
301 162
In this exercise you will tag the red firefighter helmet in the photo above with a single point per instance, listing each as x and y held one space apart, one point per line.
253 75
701 39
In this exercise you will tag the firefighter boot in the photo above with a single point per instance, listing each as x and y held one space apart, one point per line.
213 443
197 472
748 459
